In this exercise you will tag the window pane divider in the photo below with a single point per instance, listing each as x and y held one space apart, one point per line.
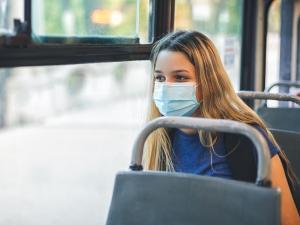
57 54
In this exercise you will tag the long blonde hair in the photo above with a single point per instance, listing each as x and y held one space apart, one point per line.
219 100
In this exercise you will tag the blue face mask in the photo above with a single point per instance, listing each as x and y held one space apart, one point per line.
175 99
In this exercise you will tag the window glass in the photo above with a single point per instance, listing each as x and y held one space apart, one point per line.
66 131
273 45
273 48
91 18
221 21
10 10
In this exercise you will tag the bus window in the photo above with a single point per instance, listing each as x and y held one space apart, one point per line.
222 22
77 31
126 20
66 131
76 21
273 45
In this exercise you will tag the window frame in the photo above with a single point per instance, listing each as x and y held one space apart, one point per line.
19 50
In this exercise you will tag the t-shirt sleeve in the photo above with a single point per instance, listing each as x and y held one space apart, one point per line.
273 148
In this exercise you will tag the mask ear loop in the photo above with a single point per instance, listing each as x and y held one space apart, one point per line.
195 86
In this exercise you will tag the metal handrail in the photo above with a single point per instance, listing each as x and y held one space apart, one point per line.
268 96
283 83
214 125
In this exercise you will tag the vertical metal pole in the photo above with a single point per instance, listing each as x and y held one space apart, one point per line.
248 45
161 18
28 16
247 81
267 5
298 51
286 35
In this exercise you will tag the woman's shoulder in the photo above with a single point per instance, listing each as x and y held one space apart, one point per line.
274 150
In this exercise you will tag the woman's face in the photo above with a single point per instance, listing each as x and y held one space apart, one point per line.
174 67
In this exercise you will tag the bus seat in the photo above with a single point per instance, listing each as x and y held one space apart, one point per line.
277 118
281 118
171 198
289 141
159 198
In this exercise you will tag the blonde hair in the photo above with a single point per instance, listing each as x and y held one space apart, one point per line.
219 100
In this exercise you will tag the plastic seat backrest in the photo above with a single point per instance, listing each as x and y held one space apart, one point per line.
281 118
160 198
289 141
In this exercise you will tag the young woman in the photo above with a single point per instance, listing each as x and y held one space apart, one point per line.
190 80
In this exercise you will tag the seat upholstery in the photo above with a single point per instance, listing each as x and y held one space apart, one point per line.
281 118
289 141
160 198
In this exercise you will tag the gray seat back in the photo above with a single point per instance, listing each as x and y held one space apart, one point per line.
289 141
157 198
161 198
277 118
281 118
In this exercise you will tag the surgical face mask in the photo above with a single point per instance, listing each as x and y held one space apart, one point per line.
175 99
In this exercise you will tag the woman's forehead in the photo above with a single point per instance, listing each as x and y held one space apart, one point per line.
171 60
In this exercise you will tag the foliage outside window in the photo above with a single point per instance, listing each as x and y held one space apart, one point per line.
91 18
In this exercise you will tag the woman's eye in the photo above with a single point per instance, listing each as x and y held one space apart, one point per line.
160 78
180 78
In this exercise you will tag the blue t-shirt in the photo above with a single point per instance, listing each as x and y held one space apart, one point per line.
190 156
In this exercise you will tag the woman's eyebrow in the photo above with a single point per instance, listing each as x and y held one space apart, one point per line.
173 71
180 70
